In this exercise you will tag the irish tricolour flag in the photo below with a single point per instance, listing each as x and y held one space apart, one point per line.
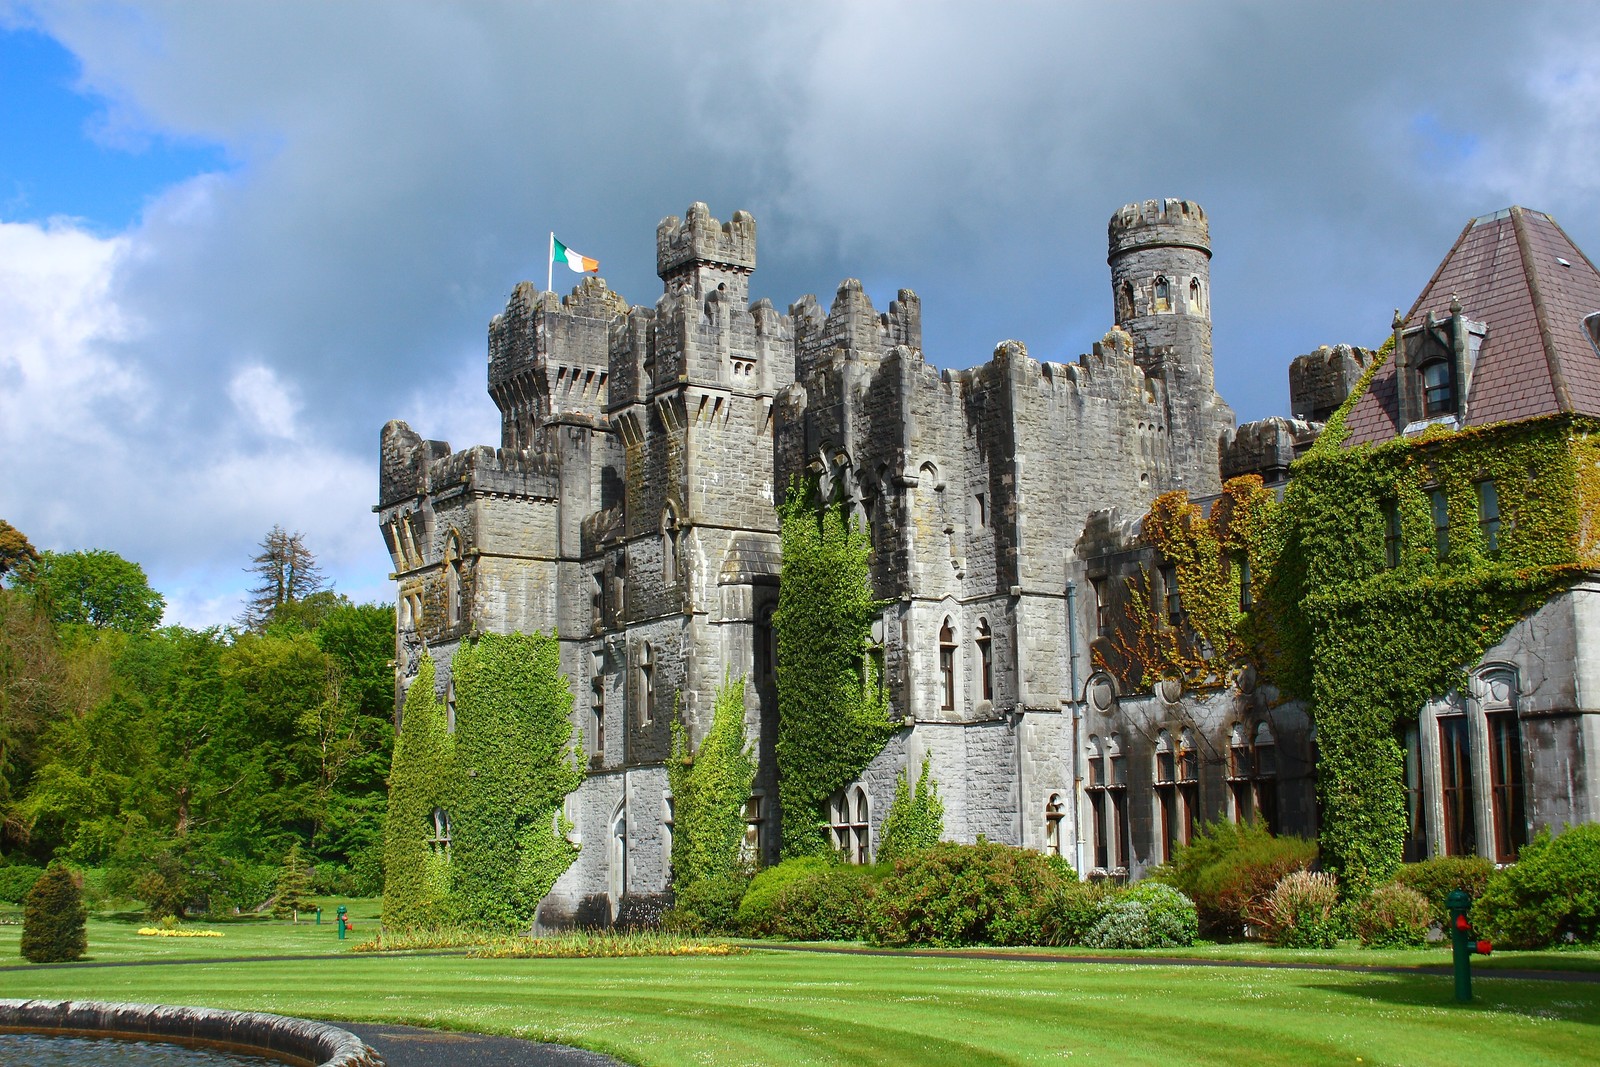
560 253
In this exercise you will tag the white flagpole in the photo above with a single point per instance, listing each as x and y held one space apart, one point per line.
550 266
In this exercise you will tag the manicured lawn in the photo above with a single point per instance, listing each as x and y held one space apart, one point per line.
803 1008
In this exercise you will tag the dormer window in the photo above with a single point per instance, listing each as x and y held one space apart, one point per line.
1438 398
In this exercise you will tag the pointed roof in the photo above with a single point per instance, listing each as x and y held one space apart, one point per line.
1519 272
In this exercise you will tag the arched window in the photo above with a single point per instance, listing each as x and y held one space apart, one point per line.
450 706
1267 776
985 643
1125 301
1054 808
1253 774
1099 803
452 580
647 683
668 819
755 811
1163 294
1438 398
619 853
669 546
947 665
1188 787
1196 299
438 831
848 824
1166 789
1117 790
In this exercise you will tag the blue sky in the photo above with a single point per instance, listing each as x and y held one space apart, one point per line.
235 239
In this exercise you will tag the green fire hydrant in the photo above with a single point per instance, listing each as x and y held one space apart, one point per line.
344 923
1465 942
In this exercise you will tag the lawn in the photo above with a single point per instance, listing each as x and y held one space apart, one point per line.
803 1008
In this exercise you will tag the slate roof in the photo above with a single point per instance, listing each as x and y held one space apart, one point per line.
1519 272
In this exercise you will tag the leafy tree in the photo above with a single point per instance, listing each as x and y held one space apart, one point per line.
709 789
916 816
97 588
287 573
416 883
515 766
53 918
294 885
15 550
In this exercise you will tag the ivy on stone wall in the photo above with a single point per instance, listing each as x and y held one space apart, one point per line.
832 713
416 885
514 768
709 790
915 818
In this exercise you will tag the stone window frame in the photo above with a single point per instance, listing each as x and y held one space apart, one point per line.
1473 768
645 669
617 852
1054 812
1436 394
983 641
1197 297
1161 295
1107 790
755 815
439 833
452 579
450 706
850 824
1253 773
947 664
671 537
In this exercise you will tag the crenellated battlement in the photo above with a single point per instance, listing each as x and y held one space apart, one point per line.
1164 223
700 239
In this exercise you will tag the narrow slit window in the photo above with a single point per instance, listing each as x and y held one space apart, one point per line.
985 643
1391 534
1439 507
1489 515
947 666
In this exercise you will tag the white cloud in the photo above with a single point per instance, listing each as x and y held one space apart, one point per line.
263 400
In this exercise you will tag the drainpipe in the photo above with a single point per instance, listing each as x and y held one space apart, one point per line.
1077 727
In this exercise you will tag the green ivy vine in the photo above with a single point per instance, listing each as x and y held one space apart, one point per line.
915 818
832 713
416 884
709 789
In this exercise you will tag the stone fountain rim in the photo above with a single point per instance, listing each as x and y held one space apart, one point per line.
309 1042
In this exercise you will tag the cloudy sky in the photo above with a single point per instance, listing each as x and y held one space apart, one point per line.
237 237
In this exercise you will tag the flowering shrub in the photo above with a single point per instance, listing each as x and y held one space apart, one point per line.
1147 915
1394 916
1300 911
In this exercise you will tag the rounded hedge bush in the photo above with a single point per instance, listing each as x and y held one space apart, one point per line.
1147 915
710 905
1073 911
758 909
830 905
1550 895
980 894
1394 916
16 880
53 918
1435 878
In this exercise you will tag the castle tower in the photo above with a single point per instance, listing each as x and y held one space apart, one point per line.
1160 258
703 256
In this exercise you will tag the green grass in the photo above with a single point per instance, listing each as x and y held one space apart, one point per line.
805 1008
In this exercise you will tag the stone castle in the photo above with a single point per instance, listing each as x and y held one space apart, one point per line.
629 508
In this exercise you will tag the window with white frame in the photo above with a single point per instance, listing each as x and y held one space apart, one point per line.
848 824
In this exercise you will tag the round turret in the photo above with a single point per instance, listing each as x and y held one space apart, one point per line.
1159 224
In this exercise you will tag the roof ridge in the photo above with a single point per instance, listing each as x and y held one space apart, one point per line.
1437 271
1541 314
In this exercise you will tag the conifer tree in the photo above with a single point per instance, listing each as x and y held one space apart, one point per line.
916 816
287 573
53 918
709 790
417 876
294 885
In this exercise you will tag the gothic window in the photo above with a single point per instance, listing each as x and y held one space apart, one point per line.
1053 810
403 613
1241 773
1488 514
754 816
450 706
1391 534
1096 790
1169 587
452 581
438 831
1163 294
1438 398
985 643
1455 785
1439 507
1125 301
1117 790
668 819
947 666
1266 779
647 683
619 853
619 584
669 547
1166 789
848 825
1195 299
1506 803
597 600
1188 787
1416 842
597 711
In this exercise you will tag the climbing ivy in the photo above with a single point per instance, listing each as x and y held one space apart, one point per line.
514 767
832 714
916 816
709 789
416 884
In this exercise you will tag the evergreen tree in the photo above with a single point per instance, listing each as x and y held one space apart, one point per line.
53 918
287 573
294 885
916 816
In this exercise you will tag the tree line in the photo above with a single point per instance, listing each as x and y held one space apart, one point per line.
185 764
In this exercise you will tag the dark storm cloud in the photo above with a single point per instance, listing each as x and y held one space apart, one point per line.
395 170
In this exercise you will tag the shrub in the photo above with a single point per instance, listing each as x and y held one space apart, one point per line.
1147 915
1435 878
16 881
1301 911
834 904
710 905
1073 910
1394 916
1551 894
1230 870
53 918
954 894
758 910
